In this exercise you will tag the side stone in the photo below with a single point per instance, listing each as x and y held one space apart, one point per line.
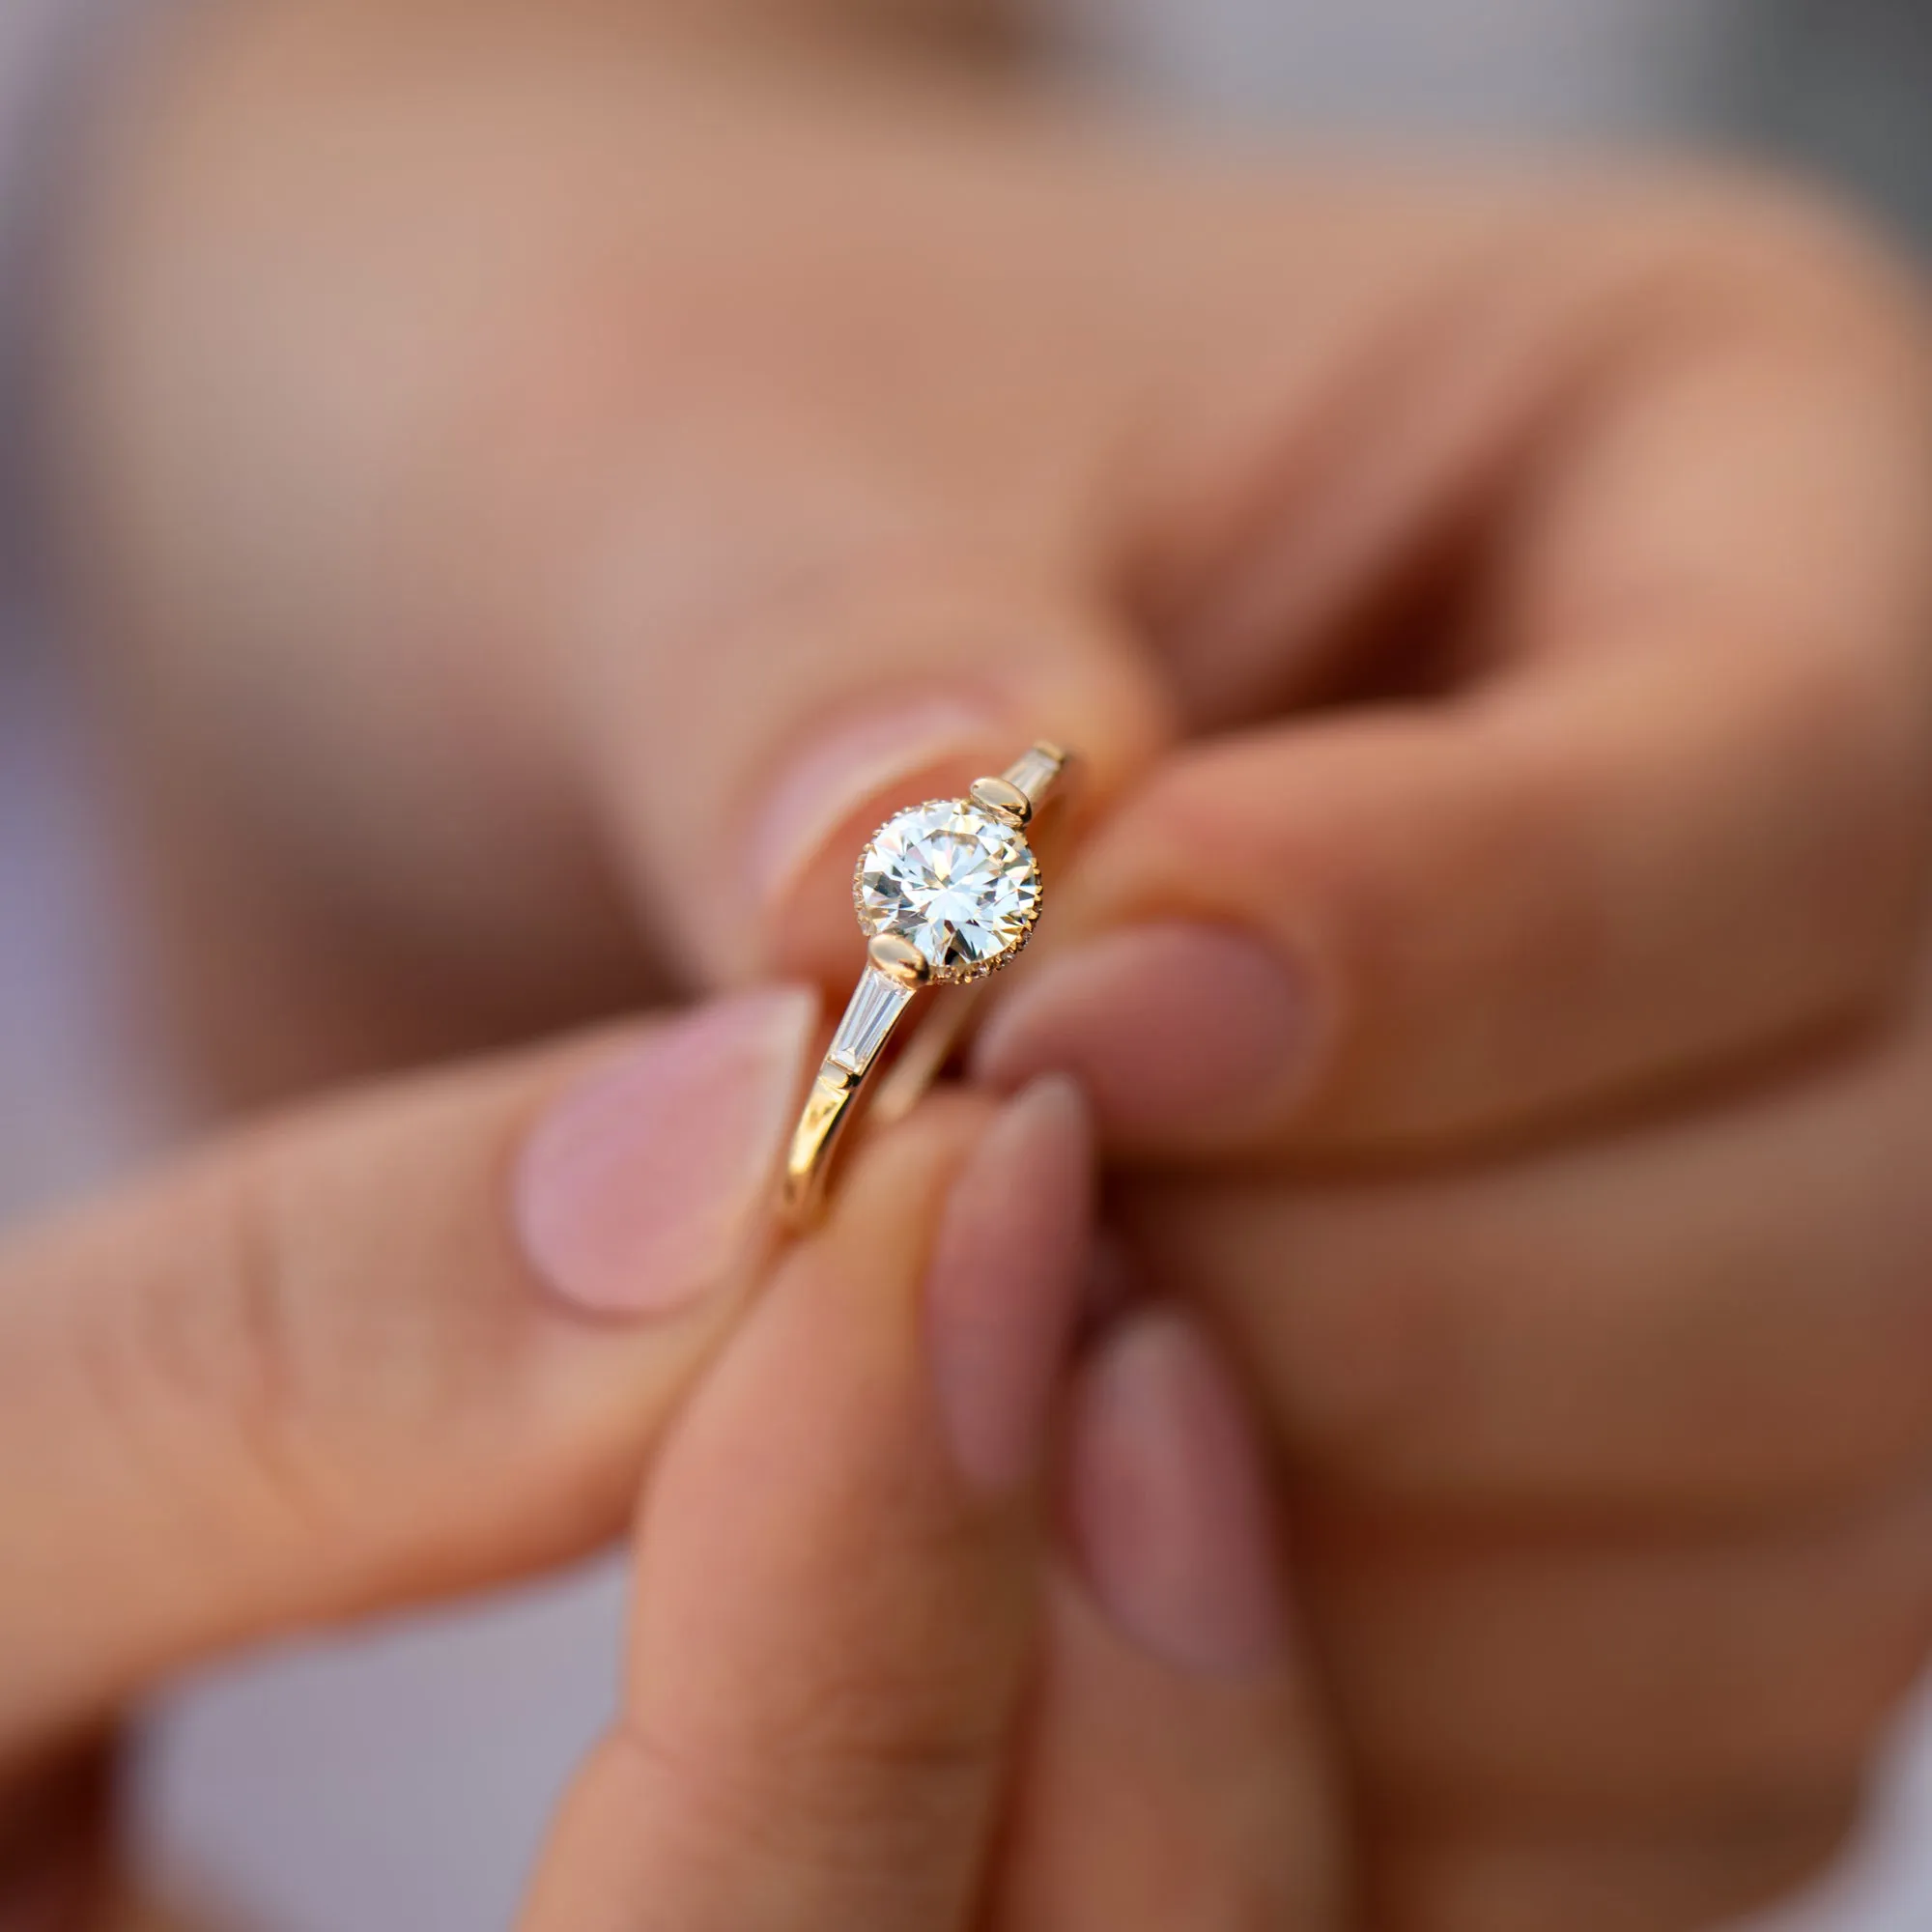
876 1002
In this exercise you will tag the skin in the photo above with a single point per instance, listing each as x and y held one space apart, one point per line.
1502 599
864 1691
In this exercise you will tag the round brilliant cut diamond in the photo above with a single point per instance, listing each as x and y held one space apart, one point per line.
954 880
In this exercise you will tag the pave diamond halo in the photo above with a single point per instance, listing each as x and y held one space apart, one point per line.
955 881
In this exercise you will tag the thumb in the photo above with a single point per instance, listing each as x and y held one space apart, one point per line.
838 1572
740 773
369 1355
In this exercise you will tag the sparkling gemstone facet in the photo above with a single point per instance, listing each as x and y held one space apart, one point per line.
952 880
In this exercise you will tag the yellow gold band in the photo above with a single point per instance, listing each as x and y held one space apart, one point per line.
947 891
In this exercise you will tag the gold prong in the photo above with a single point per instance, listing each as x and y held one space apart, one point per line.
1002 799
899 959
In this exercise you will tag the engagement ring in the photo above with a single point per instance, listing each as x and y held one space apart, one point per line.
947 891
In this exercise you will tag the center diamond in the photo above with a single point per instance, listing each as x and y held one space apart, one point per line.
952 880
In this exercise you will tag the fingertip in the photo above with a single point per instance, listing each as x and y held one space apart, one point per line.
1182 1035
641 1183
1168 1502
1004 1283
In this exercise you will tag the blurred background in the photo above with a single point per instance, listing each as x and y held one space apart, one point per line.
397 1781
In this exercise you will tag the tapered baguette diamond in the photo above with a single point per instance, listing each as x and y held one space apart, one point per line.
1035 770
875 1004
952 880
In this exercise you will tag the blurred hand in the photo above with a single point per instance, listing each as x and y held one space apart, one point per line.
340 1366
323 1369
841 1710
542 493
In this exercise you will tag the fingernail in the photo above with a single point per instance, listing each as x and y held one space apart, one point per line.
837 775
1113 1282
1168 1504
637 1192
1171 1029
1003 1288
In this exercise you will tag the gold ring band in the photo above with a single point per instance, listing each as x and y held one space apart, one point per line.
947 891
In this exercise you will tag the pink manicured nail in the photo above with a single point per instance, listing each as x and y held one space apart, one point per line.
1168 1502
1004 1291
1179 1030
811 798
639 1188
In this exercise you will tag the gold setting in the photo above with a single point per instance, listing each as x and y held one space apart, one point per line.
1002 799
897 970
899 959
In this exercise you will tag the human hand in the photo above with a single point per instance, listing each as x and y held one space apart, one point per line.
1601 917
341 1365
335 1365
1530 1071
854 1697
